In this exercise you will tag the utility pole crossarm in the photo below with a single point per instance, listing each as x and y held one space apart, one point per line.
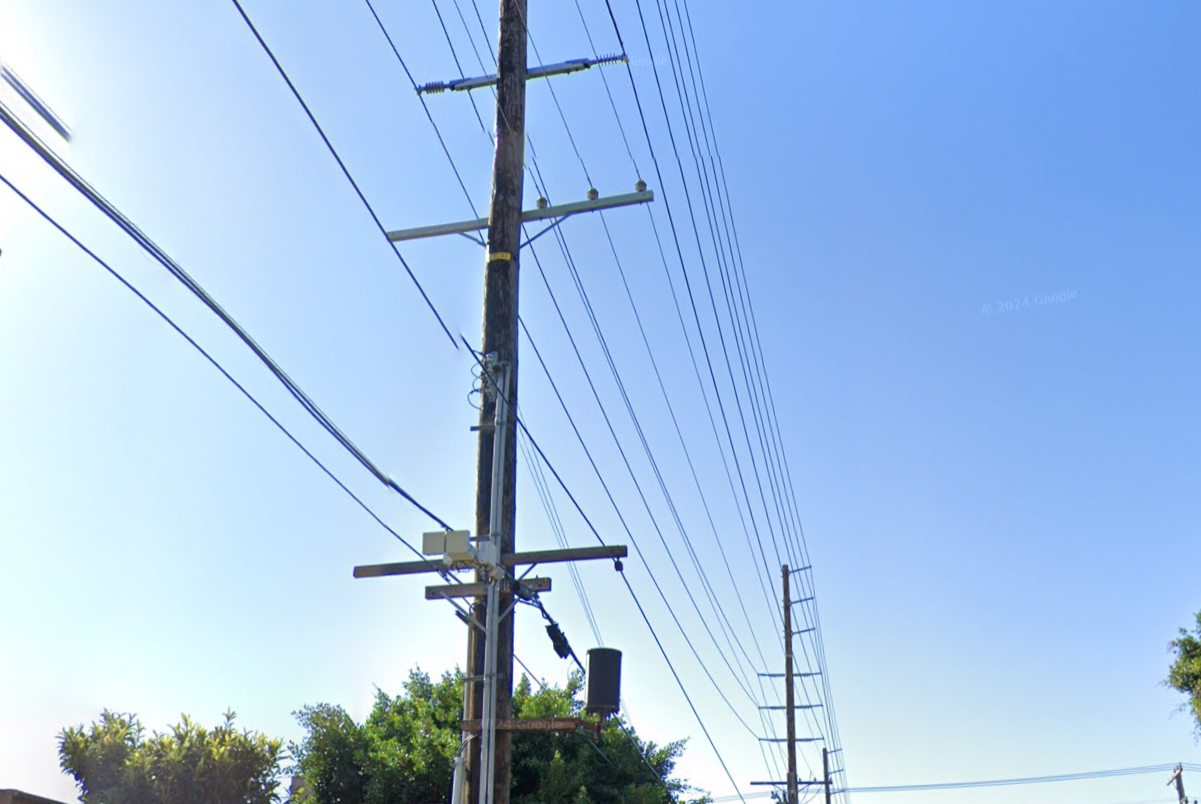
540 214
561 68
617 551
796 740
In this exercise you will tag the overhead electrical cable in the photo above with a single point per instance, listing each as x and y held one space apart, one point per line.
682 93
642 330
719 261
677 244
723 619
150 247
755 346
688 287
719 614
633 595
764 581
345 171
552 515
229 377
625 526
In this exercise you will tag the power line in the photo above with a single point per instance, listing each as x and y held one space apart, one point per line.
731 288
164 259
685 107
579 509
429 116
225 373
755 347
990 783
625 459
556 526
633 84
1025 780
345 171
684 272
723 619
621 518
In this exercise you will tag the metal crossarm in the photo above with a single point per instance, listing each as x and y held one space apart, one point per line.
544 213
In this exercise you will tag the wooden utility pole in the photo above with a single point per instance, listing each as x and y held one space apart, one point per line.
500 345
487 716
826 773
790 693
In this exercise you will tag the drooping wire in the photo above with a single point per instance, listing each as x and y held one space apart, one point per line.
780 470
675 233
159 255
229 377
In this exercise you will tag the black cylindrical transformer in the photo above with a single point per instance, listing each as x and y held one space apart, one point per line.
603 691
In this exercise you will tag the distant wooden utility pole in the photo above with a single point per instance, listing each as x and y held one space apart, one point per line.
1178 778
790 693
826 774
792 785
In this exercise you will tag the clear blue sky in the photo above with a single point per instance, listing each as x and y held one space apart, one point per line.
1001 505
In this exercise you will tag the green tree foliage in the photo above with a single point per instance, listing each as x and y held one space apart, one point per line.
113 762
1185 675
404 752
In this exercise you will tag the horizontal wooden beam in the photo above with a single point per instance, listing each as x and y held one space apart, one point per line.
479 589
535 724
399 568
509 560
559 556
